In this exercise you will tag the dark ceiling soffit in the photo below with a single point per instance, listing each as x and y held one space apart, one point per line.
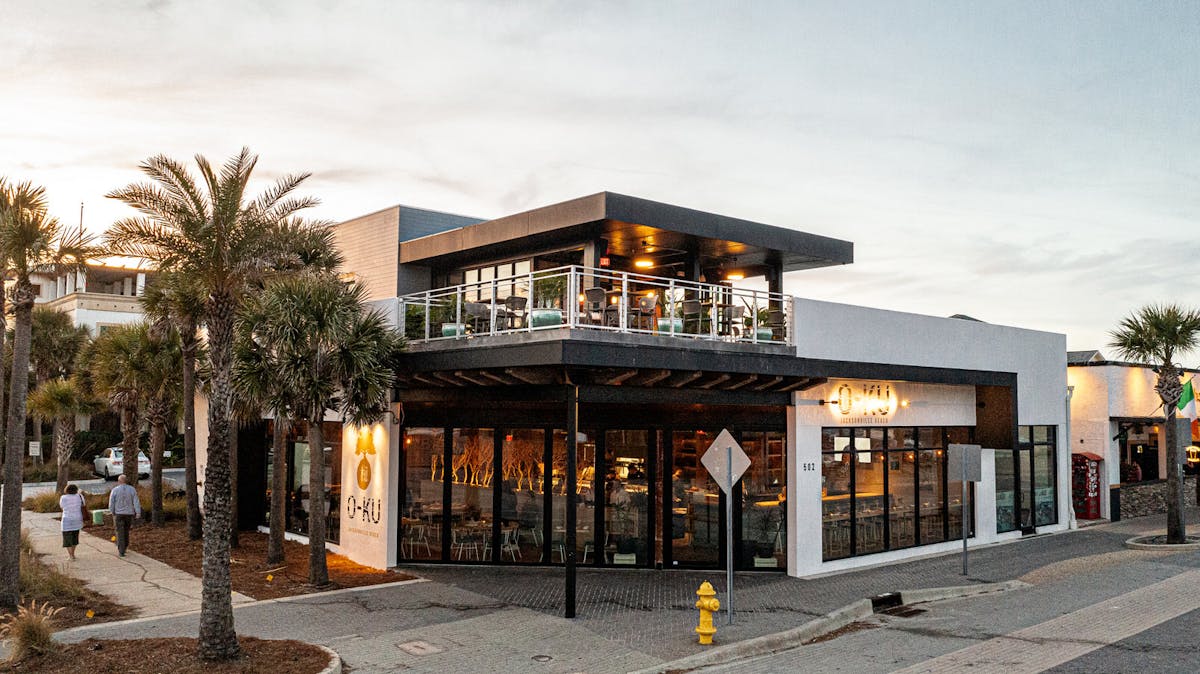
725 228
591 354
525 230
626 395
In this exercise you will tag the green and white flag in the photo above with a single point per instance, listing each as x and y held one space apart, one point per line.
1187 401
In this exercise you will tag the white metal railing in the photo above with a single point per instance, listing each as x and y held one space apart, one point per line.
596 299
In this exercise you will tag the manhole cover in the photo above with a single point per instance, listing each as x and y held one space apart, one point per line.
419 648
542 658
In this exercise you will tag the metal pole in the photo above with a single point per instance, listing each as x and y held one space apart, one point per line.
729 536
966 512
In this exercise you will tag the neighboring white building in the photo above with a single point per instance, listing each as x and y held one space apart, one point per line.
98 298
1117 415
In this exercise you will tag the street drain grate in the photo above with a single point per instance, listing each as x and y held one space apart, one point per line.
419 648
902 611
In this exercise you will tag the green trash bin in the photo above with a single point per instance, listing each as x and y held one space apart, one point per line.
98 516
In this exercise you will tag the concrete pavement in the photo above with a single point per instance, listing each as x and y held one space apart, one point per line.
506 619
148 586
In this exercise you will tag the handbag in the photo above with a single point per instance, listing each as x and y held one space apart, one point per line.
83 509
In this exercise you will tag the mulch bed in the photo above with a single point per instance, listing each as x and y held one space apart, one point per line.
250 574
176 655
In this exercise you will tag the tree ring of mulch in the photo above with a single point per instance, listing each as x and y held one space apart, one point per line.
1159 543
178 655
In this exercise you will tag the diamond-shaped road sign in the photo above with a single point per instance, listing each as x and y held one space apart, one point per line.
725 469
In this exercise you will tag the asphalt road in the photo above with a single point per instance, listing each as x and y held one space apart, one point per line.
98 485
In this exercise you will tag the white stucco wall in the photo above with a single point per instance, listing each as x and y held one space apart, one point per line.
840 332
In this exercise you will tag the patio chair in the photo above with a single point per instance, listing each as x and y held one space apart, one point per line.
695 318
515 308
480 316
593 305
777 322
643 315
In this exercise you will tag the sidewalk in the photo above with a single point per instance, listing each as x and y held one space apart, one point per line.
144 584
509 618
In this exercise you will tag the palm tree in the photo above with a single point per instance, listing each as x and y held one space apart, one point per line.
117 368
176 301
212 235
56 342
161 357
30 242
60 400
332 355
1158 333
257 377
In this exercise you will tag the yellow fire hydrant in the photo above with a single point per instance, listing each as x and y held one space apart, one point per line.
708 605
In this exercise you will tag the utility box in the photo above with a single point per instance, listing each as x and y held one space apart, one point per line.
1085 485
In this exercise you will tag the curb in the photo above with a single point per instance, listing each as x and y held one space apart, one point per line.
335 661
1136 543
834 620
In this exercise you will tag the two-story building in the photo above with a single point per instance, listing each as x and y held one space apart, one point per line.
97 297
567 368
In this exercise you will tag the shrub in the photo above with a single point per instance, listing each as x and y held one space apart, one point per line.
30 630
26 542
46 502
47 471
45 583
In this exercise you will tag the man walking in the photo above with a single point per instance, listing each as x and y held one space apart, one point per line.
124 505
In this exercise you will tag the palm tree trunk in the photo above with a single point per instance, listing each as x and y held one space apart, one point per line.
233 484
318 573
3 417
10 509
158 440
64 442
129 444
189 433
1176 525
218 639
278 489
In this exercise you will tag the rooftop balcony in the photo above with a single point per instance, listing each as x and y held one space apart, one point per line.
621 305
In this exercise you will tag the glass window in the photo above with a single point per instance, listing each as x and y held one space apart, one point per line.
332 433
902 497
1025 486
585 469
869 492
626 497
959 436
931 469
835 492
764 500
522 494
696 504
1045 495
1006 486
471 471
424 473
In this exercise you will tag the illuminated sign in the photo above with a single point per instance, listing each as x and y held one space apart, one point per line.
864 403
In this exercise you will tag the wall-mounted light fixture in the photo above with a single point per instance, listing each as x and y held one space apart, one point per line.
643 263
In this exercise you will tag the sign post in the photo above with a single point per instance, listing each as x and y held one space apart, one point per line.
35 448
968 460
726 463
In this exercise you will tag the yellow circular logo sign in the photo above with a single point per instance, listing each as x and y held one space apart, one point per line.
364 474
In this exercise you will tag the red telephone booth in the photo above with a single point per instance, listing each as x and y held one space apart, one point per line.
1085 485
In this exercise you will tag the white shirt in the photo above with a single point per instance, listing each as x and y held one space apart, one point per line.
72 509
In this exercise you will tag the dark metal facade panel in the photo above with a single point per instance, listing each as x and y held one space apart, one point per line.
419 222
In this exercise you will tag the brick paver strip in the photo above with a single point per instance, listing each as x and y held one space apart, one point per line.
1051 643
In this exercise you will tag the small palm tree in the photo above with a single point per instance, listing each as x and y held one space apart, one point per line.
210 233
1158 333
31 242
59 401
175 301
331 355
117 368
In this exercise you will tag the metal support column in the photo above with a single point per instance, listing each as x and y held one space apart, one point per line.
572 444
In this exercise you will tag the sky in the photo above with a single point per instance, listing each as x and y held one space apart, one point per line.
1026 163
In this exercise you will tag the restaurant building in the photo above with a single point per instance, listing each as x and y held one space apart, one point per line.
567 368
1117 426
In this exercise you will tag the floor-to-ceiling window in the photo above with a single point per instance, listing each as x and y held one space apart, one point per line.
626 489
424 474
297 500
764 501
1026 495
886 489
696 530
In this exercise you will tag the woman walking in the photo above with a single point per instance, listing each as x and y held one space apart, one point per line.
72 506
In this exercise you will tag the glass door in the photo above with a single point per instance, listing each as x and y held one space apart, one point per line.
627 505
696 525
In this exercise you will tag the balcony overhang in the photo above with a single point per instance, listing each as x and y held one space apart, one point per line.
629 224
